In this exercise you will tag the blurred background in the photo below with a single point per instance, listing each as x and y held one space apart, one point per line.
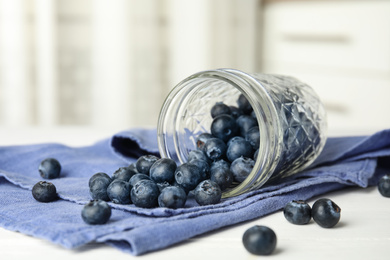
110 64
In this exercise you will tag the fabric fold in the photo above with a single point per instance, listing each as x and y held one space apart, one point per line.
345 161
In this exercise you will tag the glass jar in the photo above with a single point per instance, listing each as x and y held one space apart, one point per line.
291 119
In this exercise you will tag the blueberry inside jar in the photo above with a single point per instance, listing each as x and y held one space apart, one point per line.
287 113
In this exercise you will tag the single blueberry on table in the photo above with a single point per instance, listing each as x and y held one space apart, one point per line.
138 177
96 212
215 149
253 137
187 176
241 168
98 187
49 168
220 109
172 197
202 139
325 213
124 173
245 123
244 105
384 186
119 192
163 170
144 163
203 166
44 191
259 240
297 212
207 192
221 174
145 194
238 147
224 127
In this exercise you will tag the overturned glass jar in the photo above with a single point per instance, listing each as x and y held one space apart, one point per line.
291 120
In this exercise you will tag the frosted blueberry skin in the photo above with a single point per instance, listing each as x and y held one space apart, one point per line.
203 166
384 186
253 137
197 154
224 127
215 149
201 140
144 163
98 175
98 187
124 173
259 240
119 192
49 168
297 212
145 194
138 177
241 168
326 213
238 147
96 212
207 192
187 176
221 174
220 109
44 191
172 197
163 170
245 122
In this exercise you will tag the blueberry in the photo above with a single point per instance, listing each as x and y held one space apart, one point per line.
145 194
253 137
221 174
384 186
197 154
243 104
163 170
326 213
207 192
220 109
235 112
245 123
215 149
297 212
44 191
172 197
98 175
96 212
202 139
124 173
187 176
259 240
144 163
241 168
119 192
49 168
138 177
224 127
238 147
203 166
98 187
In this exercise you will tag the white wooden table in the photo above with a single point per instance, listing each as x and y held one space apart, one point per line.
362 233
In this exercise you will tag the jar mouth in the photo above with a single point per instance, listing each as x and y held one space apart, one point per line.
184 115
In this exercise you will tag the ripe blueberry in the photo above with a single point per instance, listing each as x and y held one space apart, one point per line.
245 122
297 212
44 191
224 127
124 173
119 192
98 187
219 109
259 240
202 139
172 197
243 104
144 163
163 170
241 168
237 147
253 137
384 186
221 174
96 212
49 168
187 176
326 213
207 192
215 149
145 194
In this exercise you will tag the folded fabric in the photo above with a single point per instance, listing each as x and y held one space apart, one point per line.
345 161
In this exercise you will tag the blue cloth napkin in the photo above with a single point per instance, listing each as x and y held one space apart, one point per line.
345 161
